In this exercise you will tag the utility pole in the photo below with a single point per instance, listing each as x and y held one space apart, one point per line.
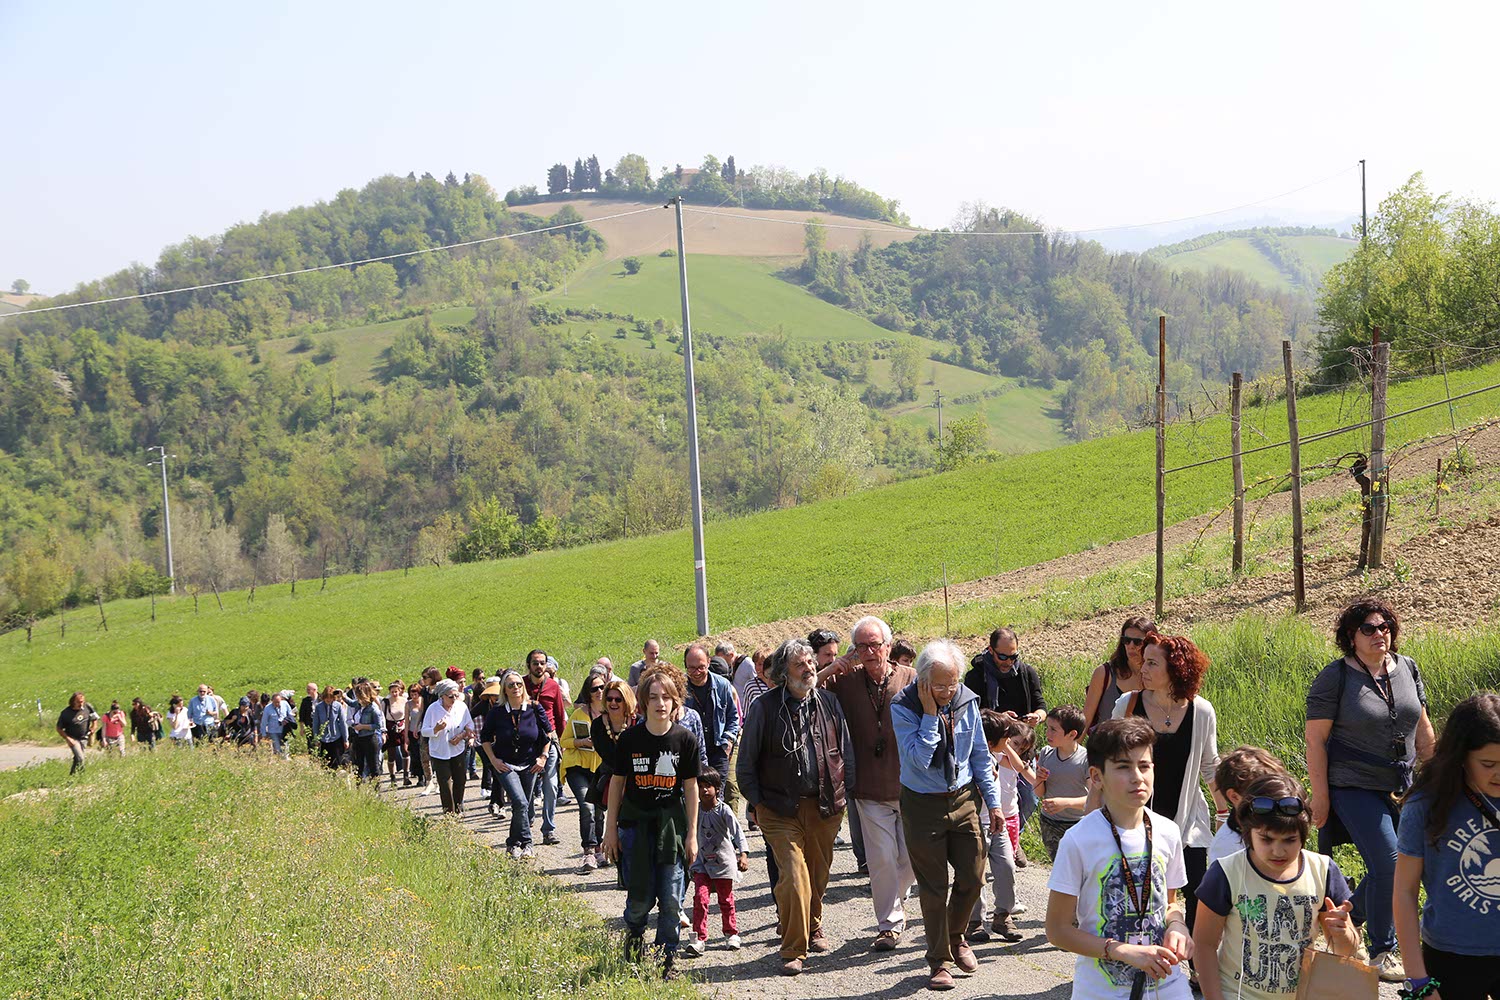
1379 502
166 513
1299 588
939 394
1161 467
700 562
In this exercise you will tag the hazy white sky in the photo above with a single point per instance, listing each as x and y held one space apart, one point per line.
130 126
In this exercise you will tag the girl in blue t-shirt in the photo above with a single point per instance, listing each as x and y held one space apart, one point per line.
1449 842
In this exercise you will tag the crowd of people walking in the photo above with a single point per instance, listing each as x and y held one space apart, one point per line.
937 762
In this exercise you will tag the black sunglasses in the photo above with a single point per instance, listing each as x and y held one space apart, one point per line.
1368 629
1263 806
616 700
1007 656
1131 640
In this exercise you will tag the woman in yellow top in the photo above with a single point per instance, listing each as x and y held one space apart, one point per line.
579 761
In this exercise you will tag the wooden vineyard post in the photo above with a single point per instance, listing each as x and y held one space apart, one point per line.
1236 385
1378 499
947 619
1299 593
1161 466
1437 492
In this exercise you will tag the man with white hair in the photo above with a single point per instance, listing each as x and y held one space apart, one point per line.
865 683
945 770
795 764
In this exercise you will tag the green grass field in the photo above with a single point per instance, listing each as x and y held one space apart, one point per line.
1240 254
1021 419
730 295
607 598
202 874
361 349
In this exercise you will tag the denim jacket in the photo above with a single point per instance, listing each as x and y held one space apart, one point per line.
331 722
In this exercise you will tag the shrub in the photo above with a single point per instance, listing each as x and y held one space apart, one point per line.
632 265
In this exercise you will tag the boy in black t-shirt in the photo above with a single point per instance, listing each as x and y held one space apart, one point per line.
648 829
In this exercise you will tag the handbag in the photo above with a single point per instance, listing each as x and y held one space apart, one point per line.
1326 976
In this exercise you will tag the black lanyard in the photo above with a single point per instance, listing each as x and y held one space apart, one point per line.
878 703
1485 809
1388 692
1140 897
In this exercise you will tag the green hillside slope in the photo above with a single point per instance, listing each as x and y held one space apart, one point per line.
607 598
1311 256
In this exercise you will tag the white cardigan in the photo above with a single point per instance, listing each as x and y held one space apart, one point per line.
1203 757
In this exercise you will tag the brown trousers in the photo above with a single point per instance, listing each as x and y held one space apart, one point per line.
803 848
943 829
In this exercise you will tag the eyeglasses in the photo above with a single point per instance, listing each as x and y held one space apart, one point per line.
1264 805
869 647
1133 640
1368 629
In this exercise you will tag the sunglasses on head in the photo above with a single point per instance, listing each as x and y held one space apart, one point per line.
1369 629
1263 805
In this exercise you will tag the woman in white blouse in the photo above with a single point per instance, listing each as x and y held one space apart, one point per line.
447 726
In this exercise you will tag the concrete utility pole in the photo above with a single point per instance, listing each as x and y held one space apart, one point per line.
939 404
166 513
700 562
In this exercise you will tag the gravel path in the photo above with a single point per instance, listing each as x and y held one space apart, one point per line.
22 754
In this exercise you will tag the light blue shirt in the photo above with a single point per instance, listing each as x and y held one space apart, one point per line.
919 735
274 719
203 710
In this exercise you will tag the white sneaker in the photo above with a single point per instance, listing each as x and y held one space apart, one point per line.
514 850
601 858
431 789
1390 966
838 840
732 942
695 947
565 800
590 861
1018 908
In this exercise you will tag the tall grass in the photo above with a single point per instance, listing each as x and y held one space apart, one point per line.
210 875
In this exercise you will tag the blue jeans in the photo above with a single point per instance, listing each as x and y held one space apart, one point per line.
666 895
548 787
1371 822
519 788
590 820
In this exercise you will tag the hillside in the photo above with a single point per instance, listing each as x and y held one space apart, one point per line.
966 525
730 231
1292 260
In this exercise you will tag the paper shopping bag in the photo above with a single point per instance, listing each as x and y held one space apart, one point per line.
1326 976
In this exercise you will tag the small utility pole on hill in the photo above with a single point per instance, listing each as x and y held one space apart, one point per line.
700 562
166 513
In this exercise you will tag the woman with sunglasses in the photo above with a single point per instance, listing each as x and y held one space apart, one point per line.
618 699
1367 726
1120 674
517 738
580 761
1449 843
447 726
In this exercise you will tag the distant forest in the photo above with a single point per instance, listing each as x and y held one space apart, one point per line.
712 183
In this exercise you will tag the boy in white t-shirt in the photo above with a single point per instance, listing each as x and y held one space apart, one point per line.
1113 899
1235 773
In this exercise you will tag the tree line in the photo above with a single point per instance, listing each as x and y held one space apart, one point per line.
713 182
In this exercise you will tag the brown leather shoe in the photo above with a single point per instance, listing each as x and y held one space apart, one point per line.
819 943
1003 926
941 979
975 933
963 956
886 941
791 967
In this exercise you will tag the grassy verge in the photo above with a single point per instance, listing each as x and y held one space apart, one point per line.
212 875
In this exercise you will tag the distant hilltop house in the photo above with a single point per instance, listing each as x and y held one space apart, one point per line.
11 303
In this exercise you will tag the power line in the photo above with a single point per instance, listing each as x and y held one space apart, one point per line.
329 267
889 228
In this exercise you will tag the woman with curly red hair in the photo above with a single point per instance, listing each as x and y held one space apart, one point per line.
1187 746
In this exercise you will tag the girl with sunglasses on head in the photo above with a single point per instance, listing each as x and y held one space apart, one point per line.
1367 726
1450 844
1260 908
1118 675
580 761
618 701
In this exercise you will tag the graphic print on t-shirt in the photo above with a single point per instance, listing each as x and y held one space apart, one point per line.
666 765
1117 916
1477 882
1273 938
